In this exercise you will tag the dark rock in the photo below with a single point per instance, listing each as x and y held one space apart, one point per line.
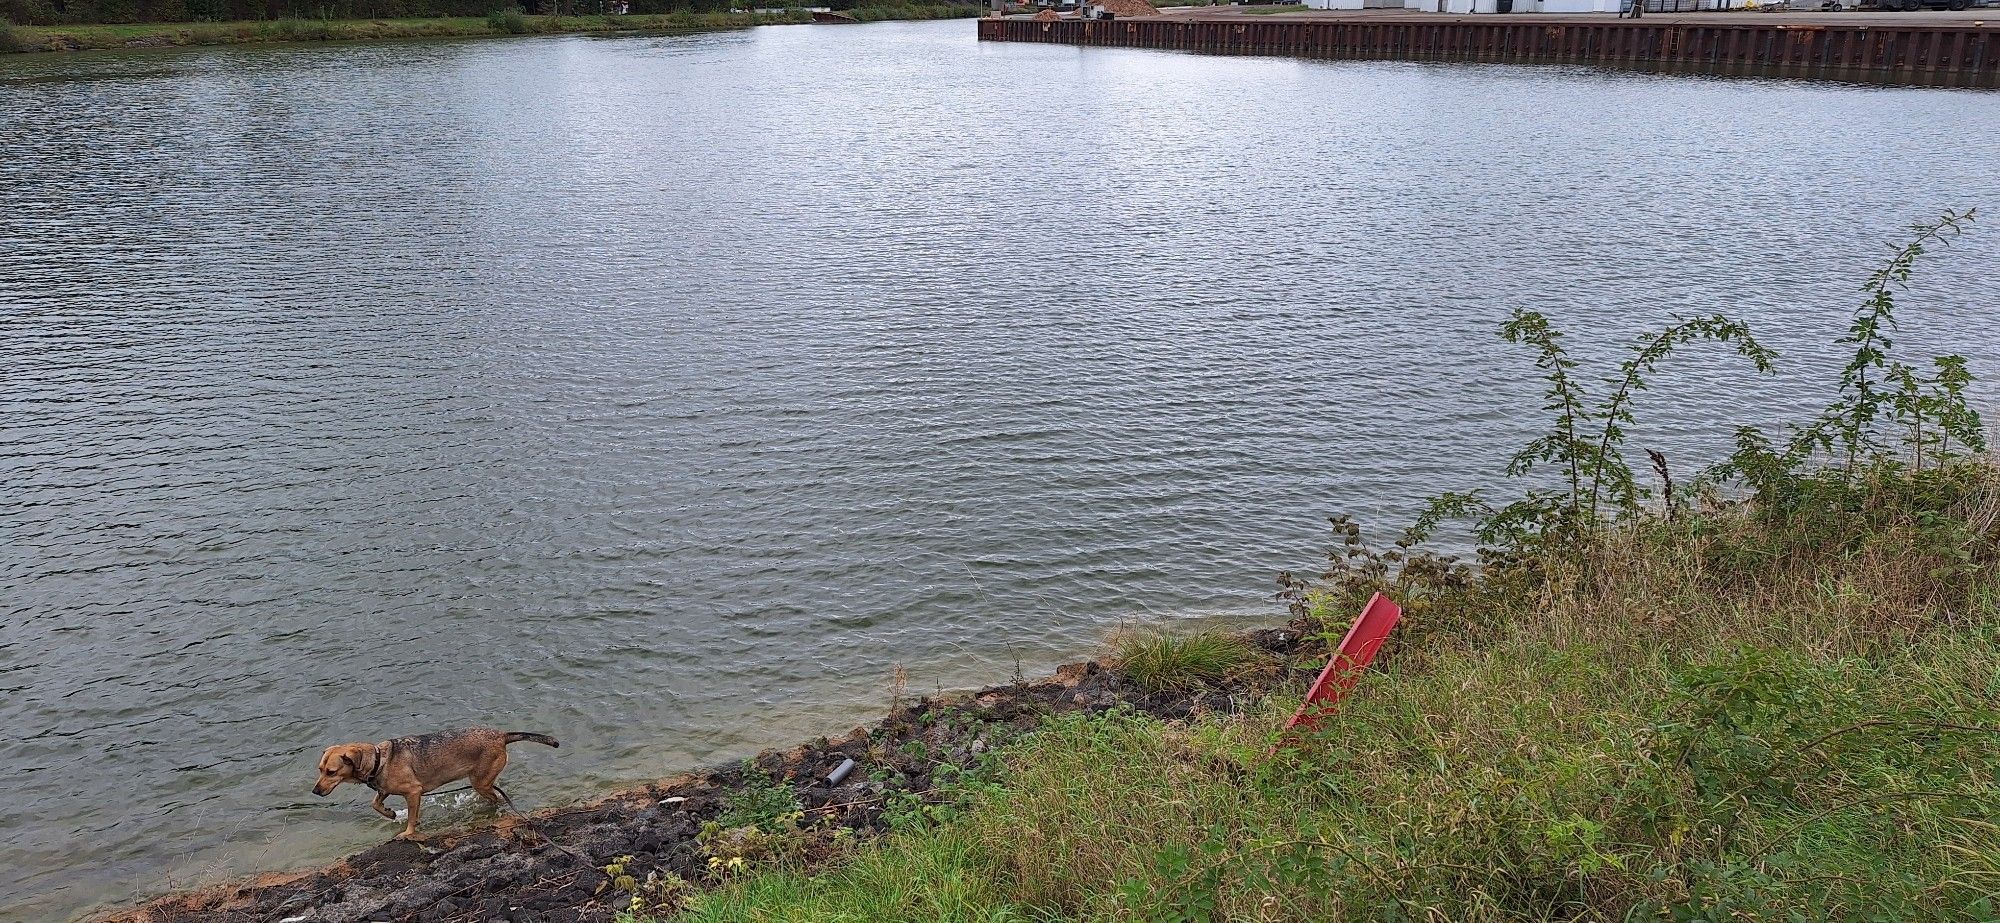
547 868
419 897
396 857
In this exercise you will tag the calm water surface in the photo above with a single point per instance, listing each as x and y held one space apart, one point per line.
664 393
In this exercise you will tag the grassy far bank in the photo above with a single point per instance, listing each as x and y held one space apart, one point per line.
85 37
82 37
1772 693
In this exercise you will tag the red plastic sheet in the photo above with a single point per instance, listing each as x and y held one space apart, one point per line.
1345 667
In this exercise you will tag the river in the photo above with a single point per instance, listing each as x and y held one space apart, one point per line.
666 394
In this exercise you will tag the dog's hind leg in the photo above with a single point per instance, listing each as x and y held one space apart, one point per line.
484 778
492 792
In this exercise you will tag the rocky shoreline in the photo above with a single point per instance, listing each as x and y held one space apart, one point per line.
550 865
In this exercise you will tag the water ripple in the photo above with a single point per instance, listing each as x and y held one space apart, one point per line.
666 392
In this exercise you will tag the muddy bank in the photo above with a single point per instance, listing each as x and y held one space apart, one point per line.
549 866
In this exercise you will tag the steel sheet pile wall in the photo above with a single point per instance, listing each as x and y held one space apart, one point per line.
1955 54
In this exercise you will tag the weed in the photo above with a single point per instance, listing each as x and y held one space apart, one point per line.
899 683
1851 420
1585 440
762 802
658 893
760 820
511 20
1165 663
1937 424
954 790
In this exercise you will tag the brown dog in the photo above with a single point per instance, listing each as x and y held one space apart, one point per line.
411 766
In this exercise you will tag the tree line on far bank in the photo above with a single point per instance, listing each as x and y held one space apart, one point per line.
69 12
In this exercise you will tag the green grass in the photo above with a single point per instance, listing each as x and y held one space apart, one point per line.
891 11
138 35
1162 663
500 22
1693 734
1772 696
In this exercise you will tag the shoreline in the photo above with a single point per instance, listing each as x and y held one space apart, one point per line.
549 865
54 39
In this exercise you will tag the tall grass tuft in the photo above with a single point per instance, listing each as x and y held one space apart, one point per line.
512 20
1165 663
11 39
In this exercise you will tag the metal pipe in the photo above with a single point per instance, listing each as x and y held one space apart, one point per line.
840 772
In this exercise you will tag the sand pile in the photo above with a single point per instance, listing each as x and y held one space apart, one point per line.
1127 9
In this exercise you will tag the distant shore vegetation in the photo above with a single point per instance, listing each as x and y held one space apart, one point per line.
79 25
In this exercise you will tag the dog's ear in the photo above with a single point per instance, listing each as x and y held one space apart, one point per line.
348 758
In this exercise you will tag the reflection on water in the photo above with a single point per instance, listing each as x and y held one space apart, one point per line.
663 393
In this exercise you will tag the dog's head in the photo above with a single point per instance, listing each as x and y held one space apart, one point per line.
343 763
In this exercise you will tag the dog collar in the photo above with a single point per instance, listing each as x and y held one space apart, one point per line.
375 767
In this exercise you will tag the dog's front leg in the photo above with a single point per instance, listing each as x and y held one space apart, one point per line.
381 808
411 799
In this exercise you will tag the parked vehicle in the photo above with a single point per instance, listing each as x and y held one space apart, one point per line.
1911 6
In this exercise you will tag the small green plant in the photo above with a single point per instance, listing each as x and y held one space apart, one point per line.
511 20
731 849
1852 419
1165 663
954 790
1436 591
1586 438
1936 423
659 893
762 802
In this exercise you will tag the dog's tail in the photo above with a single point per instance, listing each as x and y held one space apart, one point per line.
543 739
